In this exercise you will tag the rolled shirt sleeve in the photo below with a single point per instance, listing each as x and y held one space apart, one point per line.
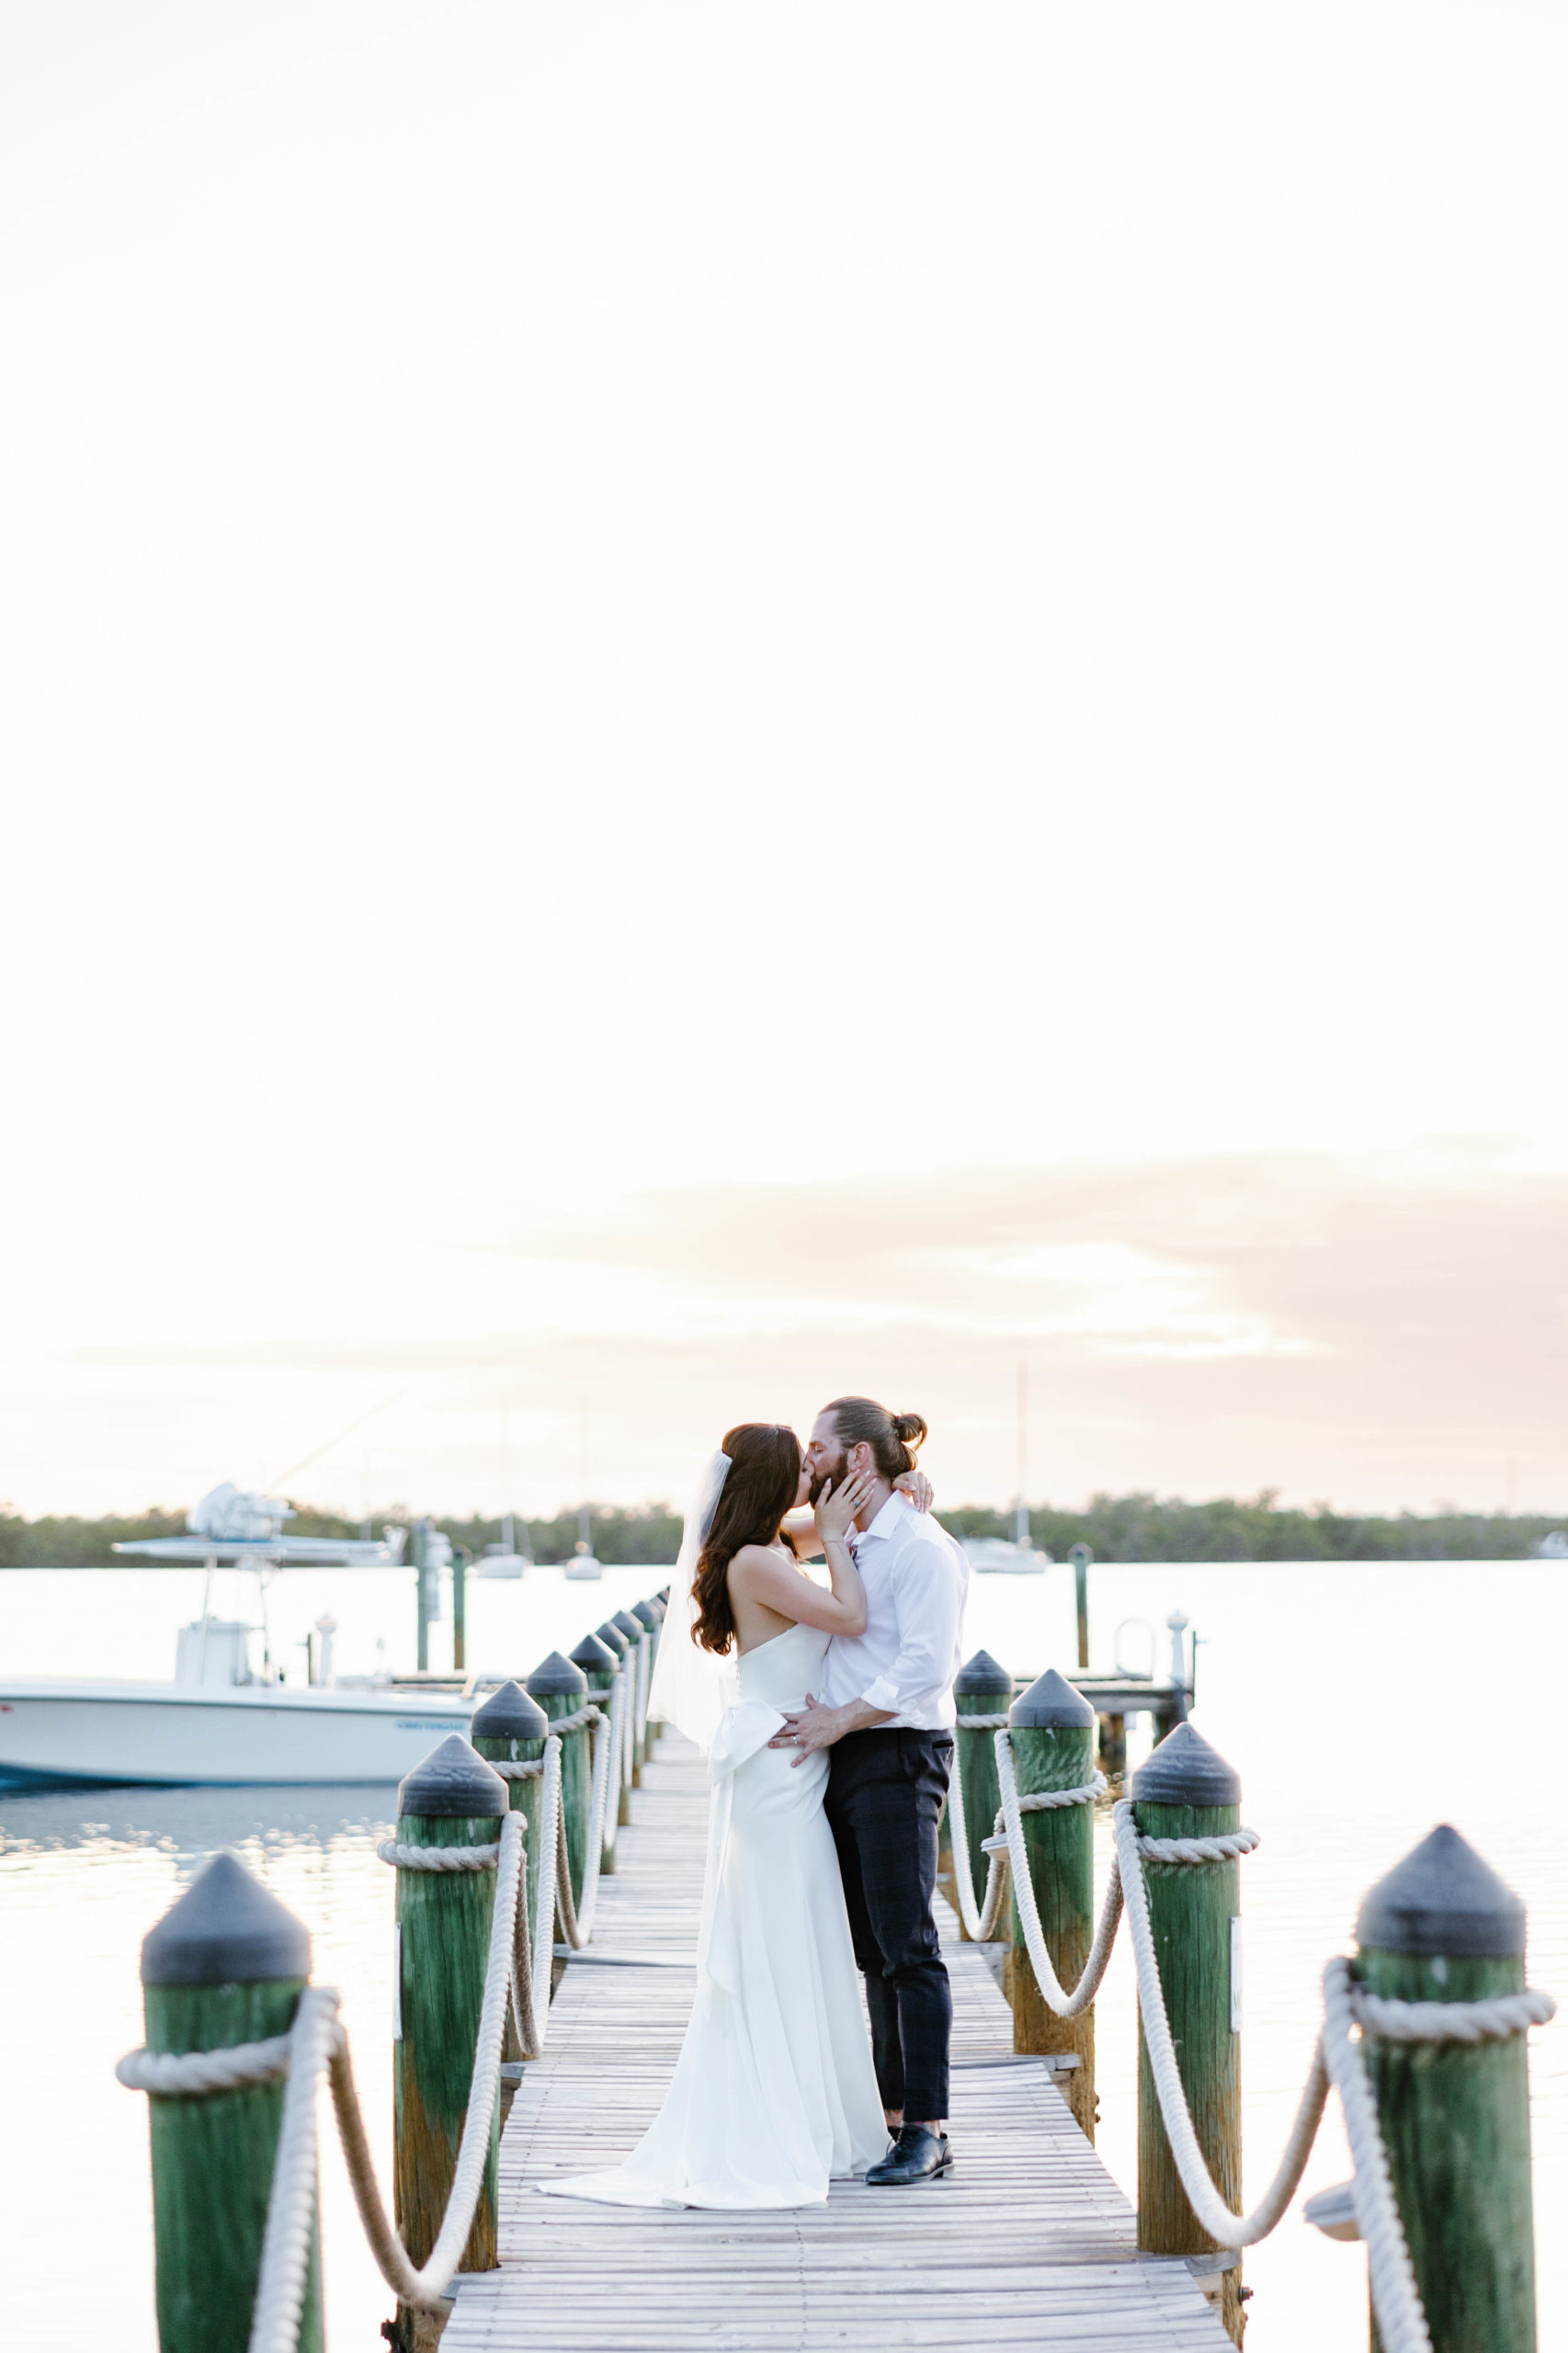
928 1598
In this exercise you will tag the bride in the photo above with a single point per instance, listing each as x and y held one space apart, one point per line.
774 2092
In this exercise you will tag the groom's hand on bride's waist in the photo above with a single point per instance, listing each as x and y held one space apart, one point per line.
814 1726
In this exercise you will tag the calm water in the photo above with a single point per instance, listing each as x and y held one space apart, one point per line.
1359 1704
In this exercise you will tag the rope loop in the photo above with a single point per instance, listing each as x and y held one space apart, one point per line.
578 1721
1494 2020
1222 1849
441 1858
189 2075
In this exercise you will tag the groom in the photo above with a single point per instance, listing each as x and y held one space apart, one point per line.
887 1713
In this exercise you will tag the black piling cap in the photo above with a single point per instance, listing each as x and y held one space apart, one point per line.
981 1673
225 1930
1051 1704
647 1614
454 1779
1443 1899
1184 1770
555 1676
664 1595
594 1657
509 1714
610 1634
630 1626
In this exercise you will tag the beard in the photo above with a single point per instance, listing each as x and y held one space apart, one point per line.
834 1472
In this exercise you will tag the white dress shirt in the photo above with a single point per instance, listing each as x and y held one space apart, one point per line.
916 1580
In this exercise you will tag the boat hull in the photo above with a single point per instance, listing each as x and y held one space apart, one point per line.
102 1734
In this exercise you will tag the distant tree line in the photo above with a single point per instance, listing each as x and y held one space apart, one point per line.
1153 1528
1117 1528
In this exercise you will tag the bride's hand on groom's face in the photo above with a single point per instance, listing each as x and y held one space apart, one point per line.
835 1510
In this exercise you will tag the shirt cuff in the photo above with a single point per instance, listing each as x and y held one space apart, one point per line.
882 1694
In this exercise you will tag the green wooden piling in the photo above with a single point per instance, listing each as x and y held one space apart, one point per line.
560 1689
609 1633
980 1689
460 1607
443 1937
422 1595
1455 2116
511 1729
1185 1789
598 1663
636 1670
1082 1558
1052 1736
1113 1745
655 1726
226 1965
648 1615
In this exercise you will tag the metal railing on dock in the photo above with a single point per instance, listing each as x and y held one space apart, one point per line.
501 1844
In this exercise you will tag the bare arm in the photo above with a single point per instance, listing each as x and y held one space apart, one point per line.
759 1574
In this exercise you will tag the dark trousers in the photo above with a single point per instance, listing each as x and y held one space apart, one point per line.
885 1792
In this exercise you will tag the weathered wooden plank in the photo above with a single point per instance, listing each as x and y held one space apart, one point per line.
1028 2239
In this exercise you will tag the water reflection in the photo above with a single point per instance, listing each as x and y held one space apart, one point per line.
191 1824
82 1877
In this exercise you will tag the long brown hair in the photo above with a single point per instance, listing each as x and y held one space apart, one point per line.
764 1480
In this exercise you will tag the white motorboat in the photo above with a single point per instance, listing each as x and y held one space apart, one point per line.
995 1556
92 1732
503 1560
496 1562
219 1721
582 1568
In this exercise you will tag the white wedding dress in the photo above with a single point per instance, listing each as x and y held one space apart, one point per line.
774 2092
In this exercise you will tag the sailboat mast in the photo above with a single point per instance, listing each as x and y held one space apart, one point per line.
1021 1509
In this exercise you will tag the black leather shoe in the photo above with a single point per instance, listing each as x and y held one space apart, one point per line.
917 2155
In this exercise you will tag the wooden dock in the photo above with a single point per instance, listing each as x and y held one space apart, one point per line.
1027 2242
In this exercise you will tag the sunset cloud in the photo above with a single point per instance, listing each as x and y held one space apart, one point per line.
1378 1329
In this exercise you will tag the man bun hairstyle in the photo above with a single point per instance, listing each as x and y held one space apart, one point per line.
894 1438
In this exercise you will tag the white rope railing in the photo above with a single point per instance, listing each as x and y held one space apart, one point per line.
517 1983
439 1859
615 1738
1336 2059
189 2075
629 1739
533 2023
980 1921
1496 2019
577 1920
644 1683
1396 2299
1064 2004
1214 2213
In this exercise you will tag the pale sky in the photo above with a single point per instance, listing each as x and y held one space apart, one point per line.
707 703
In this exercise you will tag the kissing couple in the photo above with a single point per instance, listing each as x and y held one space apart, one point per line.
827 1716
